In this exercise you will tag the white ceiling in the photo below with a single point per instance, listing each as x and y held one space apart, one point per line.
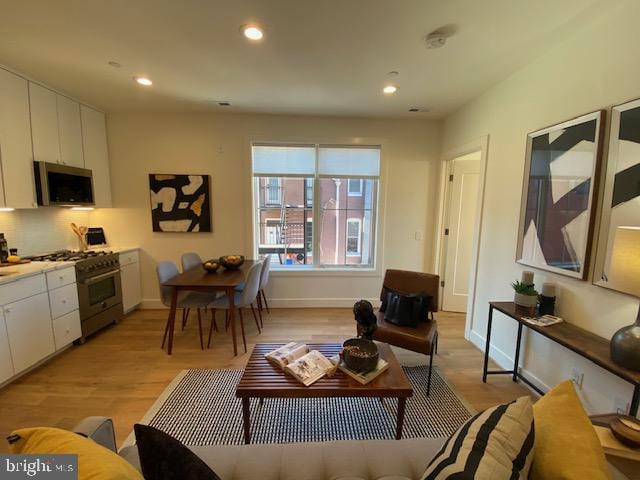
328 57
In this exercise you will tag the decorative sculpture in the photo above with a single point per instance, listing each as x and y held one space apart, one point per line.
366 318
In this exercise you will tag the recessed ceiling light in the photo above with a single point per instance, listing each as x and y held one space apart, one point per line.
224 104
418 109
252 32
389 89
143 81
115 64
435 40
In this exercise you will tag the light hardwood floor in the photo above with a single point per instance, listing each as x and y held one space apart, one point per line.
120 371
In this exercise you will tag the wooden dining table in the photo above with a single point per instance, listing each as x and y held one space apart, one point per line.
199 280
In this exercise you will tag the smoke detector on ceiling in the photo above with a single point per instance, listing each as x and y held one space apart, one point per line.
435 40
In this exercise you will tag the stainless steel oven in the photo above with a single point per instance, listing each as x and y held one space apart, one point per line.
99 292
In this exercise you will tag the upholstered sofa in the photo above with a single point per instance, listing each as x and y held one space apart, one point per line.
342 460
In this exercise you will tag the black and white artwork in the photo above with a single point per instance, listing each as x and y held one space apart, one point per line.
556 219
621 196
180 203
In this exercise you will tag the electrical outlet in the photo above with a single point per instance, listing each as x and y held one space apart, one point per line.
620 406
577 377
418 235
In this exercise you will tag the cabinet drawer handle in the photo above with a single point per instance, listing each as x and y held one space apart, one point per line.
64 300
61 277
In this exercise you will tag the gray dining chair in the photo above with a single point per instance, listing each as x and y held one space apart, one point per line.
190 260
264 280
186 300
241 300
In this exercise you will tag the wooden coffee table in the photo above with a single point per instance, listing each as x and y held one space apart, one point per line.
263 380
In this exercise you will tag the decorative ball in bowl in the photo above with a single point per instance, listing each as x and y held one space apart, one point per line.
211 265
360 355
232 262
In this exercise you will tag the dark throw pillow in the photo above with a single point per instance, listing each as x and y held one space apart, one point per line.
162 457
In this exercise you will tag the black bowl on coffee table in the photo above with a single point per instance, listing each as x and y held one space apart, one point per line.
360 355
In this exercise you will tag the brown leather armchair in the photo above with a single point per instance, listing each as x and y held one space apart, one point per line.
422 339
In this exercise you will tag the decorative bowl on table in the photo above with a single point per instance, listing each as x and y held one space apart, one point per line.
211 265
232 262
360 355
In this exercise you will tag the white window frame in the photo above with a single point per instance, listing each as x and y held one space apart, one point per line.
278 189
275 222
357 253
360 190
377 214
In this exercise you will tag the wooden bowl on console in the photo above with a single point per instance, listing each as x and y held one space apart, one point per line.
232 262
627 430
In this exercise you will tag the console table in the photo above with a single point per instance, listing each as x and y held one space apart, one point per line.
576 339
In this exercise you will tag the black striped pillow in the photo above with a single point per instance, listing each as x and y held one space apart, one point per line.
495 444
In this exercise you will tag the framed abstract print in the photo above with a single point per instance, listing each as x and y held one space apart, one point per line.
560 181
180 203
621 194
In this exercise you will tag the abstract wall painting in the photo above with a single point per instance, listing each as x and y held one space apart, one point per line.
621 195
560 183
180 203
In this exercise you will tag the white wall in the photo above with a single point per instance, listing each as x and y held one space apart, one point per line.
594 69
41 230
219 145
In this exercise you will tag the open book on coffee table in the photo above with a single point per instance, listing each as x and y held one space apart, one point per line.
307 366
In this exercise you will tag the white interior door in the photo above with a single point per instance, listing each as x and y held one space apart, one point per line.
461 212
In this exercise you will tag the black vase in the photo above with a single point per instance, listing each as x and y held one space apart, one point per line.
625 346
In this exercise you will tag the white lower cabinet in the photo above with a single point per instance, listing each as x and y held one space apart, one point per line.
6 364
29 331
63 300
66 329
130 280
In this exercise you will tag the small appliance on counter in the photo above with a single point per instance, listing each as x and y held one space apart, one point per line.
95 237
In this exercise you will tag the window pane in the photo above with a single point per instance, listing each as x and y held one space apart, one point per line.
284 219
283 160
349 161
346 227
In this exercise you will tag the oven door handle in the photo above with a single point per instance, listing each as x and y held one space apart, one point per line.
97 278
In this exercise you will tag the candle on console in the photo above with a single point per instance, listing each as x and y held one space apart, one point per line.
548 290
527 277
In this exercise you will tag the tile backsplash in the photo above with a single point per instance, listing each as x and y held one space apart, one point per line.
42 229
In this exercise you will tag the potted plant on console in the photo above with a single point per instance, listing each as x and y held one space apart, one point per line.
525 294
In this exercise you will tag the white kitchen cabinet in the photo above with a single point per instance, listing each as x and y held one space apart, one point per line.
44 124
63 300
130 279
96 154
70 132
17 188
60 278
6 364
66 329
29 330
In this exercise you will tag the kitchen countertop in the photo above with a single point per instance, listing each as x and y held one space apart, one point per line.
30 269
36 268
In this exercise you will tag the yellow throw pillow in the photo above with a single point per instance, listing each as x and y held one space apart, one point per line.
95 462
566 444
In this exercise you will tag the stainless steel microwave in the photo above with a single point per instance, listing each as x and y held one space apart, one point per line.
62 185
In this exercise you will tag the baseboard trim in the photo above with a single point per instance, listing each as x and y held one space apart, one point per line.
155 303
506 361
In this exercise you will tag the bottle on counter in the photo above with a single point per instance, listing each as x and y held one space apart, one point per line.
4 249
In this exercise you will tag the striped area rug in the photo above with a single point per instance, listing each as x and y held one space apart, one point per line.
200 408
